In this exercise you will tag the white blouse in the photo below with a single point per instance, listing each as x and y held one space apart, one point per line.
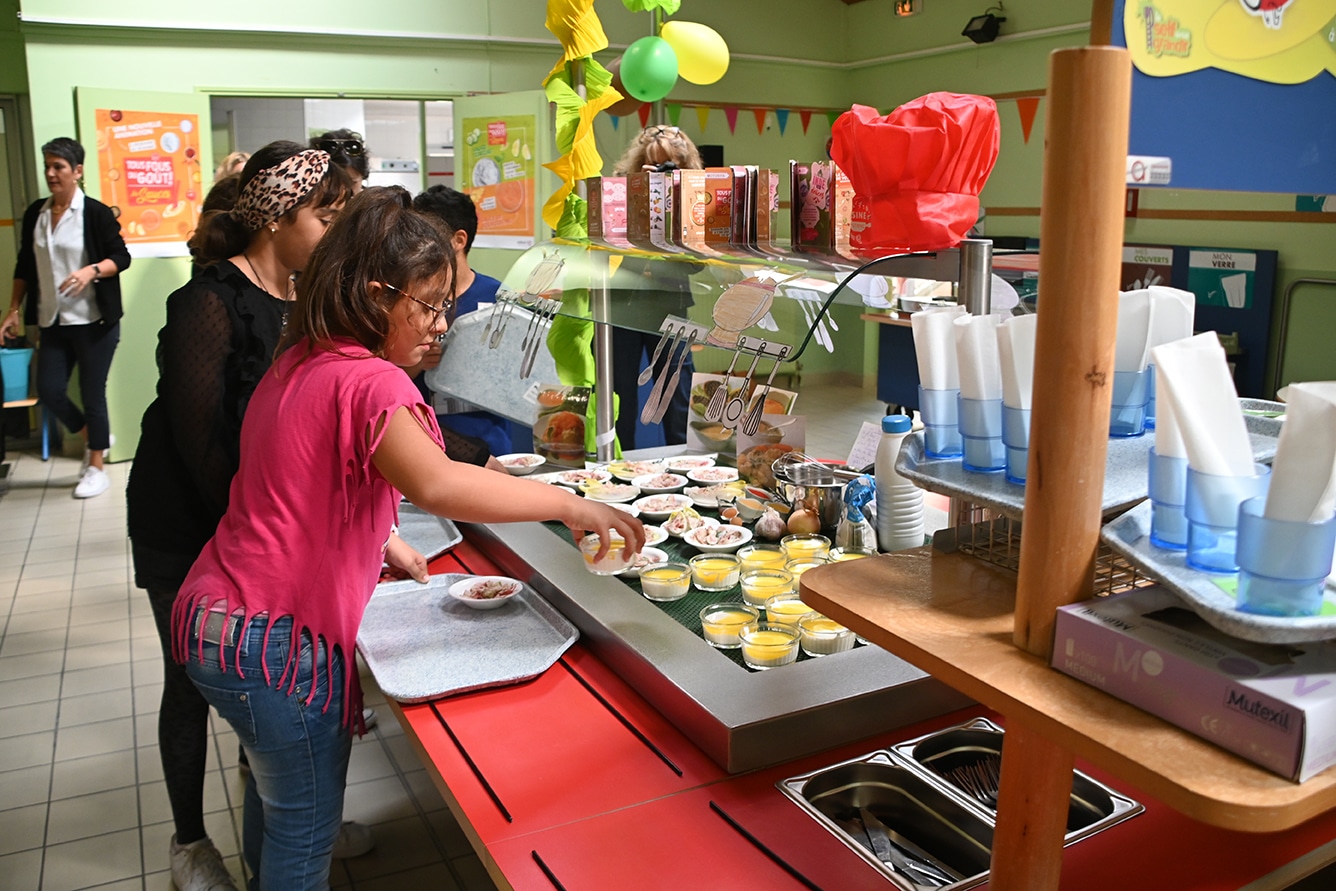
60 253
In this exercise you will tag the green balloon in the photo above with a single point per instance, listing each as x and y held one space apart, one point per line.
649 69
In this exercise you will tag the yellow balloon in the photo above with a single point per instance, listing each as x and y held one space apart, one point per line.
702 55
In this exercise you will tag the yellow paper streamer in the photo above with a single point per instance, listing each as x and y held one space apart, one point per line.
583 161
576 25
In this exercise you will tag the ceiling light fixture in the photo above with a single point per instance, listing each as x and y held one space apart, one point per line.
984 28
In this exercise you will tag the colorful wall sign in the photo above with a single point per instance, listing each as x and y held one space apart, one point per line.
496 167
1238 93
149 166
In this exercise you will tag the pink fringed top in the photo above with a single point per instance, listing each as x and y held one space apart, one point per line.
308 514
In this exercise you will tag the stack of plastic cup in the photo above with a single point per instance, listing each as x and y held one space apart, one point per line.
1282 564
1212 509
981 435
1016 439
1127 413
1150 397
941 428
1168 492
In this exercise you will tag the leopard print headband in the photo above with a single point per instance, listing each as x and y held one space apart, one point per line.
276 190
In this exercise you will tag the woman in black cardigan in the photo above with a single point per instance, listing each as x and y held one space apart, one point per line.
70 256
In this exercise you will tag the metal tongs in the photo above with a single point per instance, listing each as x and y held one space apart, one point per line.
904 856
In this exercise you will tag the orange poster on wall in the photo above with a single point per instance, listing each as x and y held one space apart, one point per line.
150 176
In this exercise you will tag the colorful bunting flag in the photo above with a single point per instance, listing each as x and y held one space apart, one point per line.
1027 107
702 116
616 122
806 117
731 113
760 120
782 118
832 115
674 112
643 112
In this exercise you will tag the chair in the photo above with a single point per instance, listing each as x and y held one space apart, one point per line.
42 417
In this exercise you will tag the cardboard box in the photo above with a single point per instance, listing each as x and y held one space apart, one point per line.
1273 704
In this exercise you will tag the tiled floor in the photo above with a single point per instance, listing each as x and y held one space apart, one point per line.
82 801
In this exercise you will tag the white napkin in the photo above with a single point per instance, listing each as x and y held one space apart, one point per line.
1015 349
935 346
1303 475
1133 330
1193 376
1168 438
976 353
1171 317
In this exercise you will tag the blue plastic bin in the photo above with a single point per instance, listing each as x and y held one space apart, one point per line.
15 366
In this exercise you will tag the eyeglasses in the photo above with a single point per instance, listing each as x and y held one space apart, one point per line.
350 147
445 309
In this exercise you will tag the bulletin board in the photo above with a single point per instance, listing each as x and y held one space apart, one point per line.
1238 94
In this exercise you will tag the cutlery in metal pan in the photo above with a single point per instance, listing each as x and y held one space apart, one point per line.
652 403
667 396
919 871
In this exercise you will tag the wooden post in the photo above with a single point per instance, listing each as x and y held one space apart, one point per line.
1081 237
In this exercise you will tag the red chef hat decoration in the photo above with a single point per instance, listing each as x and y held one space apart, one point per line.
918 171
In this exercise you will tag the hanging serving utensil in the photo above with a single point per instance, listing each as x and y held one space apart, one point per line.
752 422
496 304
715 410
737 404
500 331
652 403
535 313
648 373
547 311
667 396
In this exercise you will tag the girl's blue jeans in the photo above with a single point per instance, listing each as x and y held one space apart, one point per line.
298 752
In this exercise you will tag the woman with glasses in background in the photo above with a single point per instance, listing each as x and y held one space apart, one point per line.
661 288
267 620
222 331
347 149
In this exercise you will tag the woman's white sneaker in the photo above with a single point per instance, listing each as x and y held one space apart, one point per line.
199 866
93 483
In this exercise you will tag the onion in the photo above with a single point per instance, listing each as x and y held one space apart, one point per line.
804 522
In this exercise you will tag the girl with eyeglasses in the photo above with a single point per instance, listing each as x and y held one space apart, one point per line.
222 330
267 620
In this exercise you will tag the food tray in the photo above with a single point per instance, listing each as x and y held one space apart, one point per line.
1210 595
421 643
429 535
1125 474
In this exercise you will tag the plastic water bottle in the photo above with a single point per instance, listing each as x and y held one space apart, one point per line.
899 501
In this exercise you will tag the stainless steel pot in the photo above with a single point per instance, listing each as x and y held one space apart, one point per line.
813 487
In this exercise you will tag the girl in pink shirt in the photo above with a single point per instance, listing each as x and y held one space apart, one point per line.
267 619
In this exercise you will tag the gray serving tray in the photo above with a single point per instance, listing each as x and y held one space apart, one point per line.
1129 535
429 535
1125 476
422 644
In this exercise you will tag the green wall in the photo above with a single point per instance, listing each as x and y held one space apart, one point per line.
814 53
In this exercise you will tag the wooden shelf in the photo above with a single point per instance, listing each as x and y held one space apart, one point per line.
952 616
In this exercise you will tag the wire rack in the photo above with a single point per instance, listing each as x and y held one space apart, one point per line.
994 538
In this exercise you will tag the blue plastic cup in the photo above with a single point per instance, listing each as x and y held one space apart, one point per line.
1150 397
1168 494
1016 440
1212 508
981 435
1282 564
1127 413
941 427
